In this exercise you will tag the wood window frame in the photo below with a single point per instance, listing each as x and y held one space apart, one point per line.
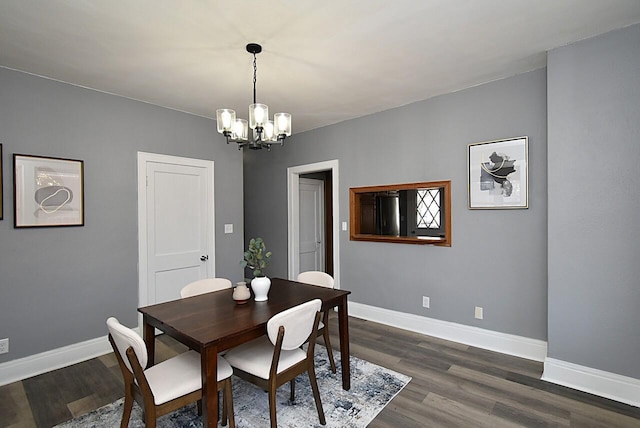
355 213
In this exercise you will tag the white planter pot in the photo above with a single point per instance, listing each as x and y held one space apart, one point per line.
260 287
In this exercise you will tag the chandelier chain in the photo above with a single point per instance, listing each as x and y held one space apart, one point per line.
255 72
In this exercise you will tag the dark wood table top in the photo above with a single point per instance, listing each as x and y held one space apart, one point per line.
214 319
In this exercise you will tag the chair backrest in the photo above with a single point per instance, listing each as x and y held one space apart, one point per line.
297 322
206 285
315 277
124 338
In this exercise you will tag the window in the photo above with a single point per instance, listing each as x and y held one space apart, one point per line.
415 213
428 208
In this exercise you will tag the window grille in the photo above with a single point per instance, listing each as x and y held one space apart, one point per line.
428 208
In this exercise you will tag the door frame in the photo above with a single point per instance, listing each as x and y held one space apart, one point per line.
293 213
143 159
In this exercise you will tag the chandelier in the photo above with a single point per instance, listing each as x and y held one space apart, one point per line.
265 132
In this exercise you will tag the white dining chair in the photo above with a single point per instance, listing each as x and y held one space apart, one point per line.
166 386
322 279
206 285
277 358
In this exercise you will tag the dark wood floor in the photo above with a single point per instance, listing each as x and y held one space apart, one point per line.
453 385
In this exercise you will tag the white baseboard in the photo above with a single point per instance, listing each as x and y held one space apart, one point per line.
500 342
22 368
605 384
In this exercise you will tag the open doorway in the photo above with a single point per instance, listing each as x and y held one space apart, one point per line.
327 174
316 218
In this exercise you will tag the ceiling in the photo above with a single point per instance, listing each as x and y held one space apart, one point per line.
322 61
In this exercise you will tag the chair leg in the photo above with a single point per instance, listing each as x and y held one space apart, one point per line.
151 420
327 343
292 390
272 405
149 415
228 403
224 406
316 392
199 403
126 409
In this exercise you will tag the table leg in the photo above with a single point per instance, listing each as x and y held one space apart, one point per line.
343 327
209 361
149 336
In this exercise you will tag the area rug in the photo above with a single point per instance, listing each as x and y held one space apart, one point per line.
372 388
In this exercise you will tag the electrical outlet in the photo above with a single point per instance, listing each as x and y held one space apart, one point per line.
4 346
425 302
479 312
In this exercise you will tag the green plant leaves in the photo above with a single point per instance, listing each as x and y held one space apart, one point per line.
256 257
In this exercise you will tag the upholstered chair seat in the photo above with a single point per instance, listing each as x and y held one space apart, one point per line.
180 376
255 357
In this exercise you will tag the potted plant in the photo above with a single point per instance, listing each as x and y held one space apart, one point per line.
257 258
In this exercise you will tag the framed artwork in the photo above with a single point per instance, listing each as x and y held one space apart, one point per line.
1 206
48 191
498 174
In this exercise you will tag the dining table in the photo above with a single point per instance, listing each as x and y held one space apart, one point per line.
213 322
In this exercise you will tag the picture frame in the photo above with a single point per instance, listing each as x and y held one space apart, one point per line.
498 174
47 191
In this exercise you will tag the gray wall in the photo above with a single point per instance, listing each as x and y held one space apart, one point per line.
499 257
58 285
594 202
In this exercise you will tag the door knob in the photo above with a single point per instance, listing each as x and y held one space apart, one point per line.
204 258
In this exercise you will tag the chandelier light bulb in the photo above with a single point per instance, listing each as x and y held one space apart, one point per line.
225 118
269 131
258 114
240 130
283 124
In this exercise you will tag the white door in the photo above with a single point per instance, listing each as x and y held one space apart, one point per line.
311 225
176 225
